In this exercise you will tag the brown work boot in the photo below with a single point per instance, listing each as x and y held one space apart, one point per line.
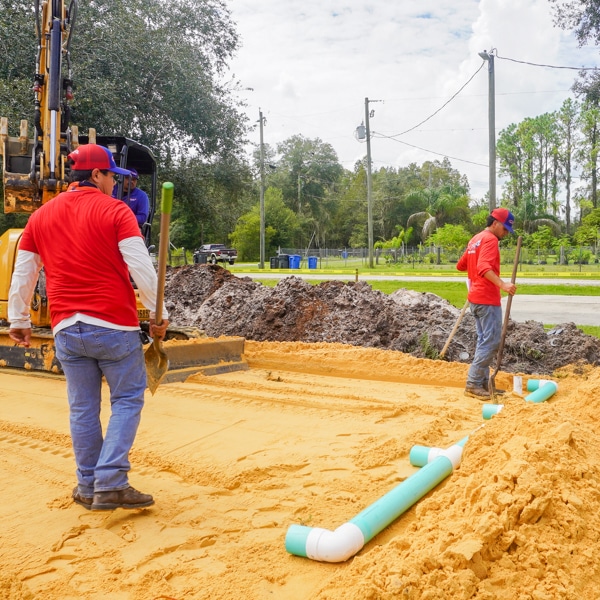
486 387
127 498
85 501
474 392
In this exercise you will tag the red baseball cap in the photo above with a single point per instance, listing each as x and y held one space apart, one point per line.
93 156
505 217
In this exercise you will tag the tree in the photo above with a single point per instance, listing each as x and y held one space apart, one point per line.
209 198
581 16
306 173
148 69
447 203
566 123
587 234
589 119
281 224
451 237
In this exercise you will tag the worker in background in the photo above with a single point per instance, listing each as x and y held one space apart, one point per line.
135 198
481 260
88 245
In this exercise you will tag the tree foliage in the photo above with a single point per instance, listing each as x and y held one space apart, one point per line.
281 224
147 69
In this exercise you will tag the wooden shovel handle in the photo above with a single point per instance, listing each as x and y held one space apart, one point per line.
166 206
508 305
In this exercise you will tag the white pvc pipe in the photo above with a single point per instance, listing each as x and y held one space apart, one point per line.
334 546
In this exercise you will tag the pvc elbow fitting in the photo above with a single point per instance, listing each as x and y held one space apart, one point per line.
324 545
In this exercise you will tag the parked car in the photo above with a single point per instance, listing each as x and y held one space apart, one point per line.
215 253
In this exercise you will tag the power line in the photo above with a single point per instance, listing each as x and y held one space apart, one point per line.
524 62
443 105
425 149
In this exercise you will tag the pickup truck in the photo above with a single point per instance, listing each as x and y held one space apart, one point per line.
215 253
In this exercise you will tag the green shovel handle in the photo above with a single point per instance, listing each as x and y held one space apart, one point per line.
166 204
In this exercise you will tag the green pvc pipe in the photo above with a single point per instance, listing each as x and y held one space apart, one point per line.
534 384
543 392
489 410
343 543
388 508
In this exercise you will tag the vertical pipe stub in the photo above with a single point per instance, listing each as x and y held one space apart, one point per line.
489 410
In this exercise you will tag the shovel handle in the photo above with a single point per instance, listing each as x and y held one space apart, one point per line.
166 205
507 310
460 317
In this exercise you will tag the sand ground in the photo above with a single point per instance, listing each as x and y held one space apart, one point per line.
311 434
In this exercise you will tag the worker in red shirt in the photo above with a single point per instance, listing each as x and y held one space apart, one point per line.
481 260
88 245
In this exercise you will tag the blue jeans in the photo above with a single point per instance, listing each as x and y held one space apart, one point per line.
86 353
488 323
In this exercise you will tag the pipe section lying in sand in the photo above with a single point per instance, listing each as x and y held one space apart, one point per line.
343 543
543 392
534 384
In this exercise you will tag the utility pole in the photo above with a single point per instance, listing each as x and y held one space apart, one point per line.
369 186
491 125
364 131
261 120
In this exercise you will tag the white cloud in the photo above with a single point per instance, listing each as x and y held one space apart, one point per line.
312 64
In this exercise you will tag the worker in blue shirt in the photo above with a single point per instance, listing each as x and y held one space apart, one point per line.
135 198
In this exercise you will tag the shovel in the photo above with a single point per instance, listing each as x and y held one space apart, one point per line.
157 362
492 381
460 318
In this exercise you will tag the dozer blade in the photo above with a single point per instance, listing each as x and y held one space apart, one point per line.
40 356
209 356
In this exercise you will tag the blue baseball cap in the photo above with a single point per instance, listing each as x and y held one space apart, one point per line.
92 156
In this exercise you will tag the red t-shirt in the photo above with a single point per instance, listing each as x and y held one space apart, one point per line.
482 254
77 235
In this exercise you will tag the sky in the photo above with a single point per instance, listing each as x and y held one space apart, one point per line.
312 64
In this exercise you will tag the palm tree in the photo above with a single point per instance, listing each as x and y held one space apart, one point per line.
447 203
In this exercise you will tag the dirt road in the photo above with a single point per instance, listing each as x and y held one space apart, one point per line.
311 434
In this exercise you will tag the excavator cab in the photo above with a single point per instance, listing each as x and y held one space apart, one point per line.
129 154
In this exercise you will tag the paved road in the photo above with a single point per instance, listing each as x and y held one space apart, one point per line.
581 310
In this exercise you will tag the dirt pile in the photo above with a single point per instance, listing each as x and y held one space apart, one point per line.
211 298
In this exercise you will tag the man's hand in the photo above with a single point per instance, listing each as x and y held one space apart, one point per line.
21 336
158 331
508 287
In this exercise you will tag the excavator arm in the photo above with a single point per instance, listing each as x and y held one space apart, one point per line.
34 169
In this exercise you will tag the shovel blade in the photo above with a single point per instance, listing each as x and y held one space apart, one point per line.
157 365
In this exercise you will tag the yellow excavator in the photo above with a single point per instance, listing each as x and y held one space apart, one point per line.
35 170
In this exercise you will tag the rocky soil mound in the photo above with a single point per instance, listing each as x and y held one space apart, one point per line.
212 299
